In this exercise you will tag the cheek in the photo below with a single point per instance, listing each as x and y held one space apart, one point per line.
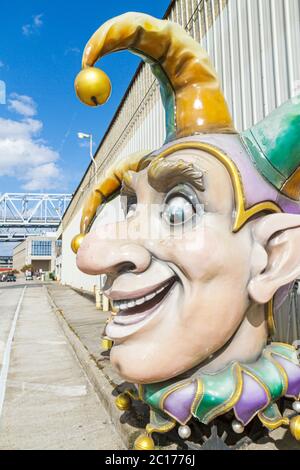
217 267
211 256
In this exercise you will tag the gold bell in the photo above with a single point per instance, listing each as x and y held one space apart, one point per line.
106 343
144 442
92 86
76 242
123 402
295 427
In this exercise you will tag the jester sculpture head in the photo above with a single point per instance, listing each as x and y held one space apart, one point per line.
212 219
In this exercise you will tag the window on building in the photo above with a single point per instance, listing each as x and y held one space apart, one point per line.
41 248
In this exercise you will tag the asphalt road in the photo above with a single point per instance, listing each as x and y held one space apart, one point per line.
21 282
46 400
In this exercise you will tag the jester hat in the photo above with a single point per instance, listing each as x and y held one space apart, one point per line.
264 161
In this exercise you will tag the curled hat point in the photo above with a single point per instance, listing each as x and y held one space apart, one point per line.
192 98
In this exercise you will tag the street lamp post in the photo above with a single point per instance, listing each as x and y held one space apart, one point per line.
82 135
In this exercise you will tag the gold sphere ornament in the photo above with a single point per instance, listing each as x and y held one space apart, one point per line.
295 427
76 242
123 402
144 442
106 343
92 86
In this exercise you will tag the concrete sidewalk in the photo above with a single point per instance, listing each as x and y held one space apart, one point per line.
49 401
8 304
83 325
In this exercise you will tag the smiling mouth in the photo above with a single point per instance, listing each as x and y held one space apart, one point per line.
133 310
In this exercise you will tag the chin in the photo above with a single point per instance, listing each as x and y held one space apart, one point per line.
132 368
135 370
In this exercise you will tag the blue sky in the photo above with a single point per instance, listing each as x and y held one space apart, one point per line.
41 43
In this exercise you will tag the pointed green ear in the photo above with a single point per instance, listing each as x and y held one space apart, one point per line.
274 145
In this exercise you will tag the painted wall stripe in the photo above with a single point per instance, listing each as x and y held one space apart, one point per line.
7 352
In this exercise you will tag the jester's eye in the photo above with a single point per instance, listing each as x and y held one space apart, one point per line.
181 204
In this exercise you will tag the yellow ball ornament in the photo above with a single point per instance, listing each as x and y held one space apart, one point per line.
92 86
123 402
76 242
106 343
144 442
295 427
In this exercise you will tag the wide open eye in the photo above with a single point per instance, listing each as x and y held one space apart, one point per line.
181 205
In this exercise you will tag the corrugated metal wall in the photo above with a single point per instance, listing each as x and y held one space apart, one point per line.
287 319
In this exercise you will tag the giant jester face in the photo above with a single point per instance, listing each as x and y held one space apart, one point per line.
184 263
178 279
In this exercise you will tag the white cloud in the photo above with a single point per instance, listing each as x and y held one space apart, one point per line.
26 29
85 144
25 156
41 177
19 154
19 129
33 27
37 20
2 92
72 50
3 65
22 104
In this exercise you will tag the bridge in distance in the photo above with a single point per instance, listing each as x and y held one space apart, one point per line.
24 214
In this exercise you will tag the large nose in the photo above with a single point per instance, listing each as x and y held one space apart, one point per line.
110 256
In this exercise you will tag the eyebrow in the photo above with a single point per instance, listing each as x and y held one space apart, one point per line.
164 174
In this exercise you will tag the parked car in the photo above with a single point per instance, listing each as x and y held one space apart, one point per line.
11 278
29 277
3 277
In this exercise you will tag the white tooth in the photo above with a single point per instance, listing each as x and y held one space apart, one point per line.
159 290
131 304
140 301
150 296
123 305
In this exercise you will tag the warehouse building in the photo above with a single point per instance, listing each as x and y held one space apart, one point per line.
37 252
253 45
6 263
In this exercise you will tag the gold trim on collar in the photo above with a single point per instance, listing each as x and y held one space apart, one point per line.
270 317
224 407
150 428
272 424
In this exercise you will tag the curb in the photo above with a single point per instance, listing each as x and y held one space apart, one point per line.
103 386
